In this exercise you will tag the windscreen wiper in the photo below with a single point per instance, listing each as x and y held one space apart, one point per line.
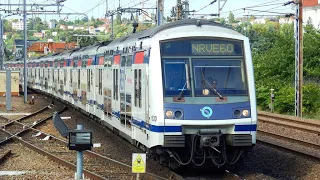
211 88
181 92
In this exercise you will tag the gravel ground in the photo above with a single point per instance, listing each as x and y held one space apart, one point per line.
37 166
18 105
267 162
112 146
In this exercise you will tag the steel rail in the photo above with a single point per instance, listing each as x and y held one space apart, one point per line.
297 127
3 156
307 122
25 128
303 143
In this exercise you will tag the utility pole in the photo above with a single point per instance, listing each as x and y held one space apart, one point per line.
298 58
160 9
1 44
219 6
25 47
25 50
186 11
179 10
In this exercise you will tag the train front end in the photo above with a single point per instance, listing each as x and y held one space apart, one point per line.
209 105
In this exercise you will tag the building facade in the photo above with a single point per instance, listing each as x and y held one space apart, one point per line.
311 12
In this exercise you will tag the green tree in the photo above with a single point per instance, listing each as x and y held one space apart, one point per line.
7 26
231 18
118 19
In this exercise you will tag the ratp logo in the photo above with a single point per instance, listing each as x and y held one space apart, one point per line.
206 112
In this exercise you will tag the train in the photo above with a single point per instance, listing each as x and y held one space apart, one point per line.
183 92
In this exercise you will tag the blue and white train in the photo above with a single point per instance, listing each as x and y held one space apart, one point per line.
184 92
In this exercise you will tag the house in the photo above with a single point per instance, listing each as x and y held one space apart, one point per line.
71 27
4 36
286 20
91 30
17 25
63 27
41 48
258 21
311 12
38 35
51 24
78 28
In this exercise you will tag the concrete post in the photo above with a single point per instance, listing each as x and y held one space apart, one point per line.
8 90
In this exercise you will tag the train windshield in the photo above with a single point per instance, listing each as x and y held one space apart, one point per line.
225 77
202 68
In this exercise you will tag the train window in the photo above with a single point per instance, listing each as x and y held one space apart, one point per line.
91 75
135 87
100 81
175 73
128 111
123 61
129 61
71 78
223 75
78 78
88 79
122 108
52 75
65 77
107 102
108 61
117 84
139 83
114 84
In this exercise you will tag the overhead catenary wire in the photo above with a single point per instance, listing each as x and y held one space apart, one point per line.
254 6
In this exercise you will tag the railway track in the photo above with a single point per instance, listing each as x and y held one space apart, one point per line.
300 135
96 166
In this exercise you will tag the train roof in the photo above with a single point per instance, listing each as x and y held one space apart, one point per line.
151 32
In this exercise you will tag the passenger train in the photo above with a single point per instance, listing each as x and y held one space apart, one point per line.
183 92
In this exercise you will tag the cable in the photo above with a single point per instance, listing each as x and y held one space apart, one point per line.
207 5
257 5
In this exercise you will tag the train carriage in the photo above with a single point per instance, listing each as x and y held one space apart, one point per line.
184 91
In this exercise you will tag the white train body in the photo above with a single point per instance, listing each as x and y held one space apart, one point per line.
126 85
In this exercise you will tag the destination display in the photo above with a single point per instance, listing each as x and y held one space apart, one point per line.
212 47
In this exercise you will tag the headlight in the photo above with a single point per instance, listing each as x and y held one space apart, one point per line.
245 113
178 114
236 113
205 92
169 114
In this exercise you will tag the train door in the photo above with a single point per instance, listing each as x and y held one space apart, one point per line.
140 108
83 86
65 87
75 83
45 77
126 91
108 85
98 87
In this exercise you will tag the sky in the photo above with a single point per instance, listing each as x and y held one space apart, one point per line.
97 8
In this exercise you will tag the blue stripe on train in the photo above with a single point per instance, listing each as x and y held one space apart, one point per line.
155 128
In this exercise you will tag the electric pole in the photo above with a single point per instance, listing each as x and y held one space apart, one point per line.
219 6
25 50
298 58
160 8
1 44
25 47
